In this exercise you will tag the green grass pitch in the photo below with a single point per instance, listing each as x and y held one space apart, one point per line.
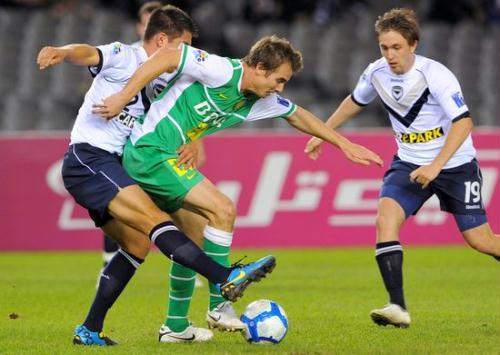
453 295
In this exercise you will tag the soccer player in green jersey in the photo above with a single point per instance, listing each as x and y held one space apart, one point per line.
93 174
210 93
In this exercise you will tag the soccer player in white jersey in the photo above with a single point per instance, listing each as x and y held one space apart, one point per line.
110 247
93 175
210 94
432 126
189 155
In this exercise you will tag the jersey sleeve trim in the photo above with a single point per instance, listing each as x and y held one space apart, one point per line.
461 116
177 75
357 102
96 69
291 111
182 62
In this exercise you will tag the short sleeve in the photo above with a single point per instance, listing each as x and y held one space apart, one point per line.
209 69
272 106
110 56
364 92
445 88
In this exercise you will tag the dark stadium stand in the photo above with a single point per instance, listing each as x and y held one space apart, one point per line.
335 54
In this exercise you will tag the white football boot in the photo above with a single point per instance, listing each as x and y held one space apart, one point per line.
391 314
190 334
224 317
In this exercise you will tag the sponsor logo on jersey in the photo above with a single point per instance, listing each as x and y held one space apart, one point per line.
458 98
117 47
396 80
239 105
422 137
200 55
397 92
126 119
282 101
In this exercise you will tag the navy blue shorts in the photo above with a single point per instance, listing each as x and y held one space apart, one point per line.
93 177
458 189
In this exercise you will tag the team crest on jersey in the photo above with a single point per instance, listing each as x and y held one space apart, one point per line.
458 98
282 101
200 55
397 92
117 47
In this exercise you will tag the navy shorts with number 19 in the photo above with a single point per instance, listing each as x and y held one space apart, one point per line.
458 189
93 177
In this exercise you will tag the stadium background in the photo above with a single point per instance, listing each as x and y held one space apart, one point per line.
283 198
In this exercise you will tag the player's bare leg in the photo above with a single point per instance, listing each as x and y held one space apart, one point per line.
216 243
483 239
206 200
389 255
133 207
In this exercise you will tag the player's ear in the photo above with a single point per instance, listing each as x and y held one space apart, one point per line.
161 39
414 46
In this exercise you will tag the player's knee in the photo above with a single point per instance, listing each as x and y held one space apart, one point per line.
137 246
478 245
150 219
382 221
226 211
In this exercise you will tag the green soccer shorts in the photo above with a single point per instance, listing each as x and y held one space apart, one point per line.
156 171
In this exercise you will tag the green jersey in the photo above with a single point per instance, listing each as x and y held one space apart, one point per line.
203 98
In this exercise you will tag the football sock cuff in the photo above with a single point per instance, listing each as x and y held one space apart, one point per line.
218 236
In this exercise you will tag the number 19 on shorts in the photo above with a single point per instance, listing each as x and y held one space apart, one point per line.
472 190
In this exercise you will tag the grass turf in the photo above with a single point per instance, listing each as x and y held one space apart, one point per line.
453 295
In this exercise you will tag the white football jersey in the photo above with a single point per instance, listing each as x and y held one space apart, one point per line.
422 105
118 62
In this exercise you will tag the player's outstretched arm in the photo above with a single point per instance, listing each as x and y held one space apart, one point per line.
163 60
306 122
77 54
347 109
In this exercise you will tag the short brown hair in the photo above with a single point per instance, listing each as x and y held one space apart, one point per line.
147 8
404 21
271 52
170 20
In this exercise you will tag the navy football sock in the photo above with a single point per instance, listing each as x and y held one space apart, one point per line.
179 248
110 247
389 257
113 280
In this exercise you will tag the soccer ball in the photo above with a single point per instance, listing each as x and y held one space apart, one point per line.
265 322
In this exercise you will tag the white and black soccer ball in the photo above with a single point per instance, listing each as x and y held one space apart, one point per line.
265 322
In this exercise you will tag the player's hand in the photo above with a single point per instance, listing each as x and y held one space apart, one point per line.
424 175
361 155
313 148
111 106
188 155
49 56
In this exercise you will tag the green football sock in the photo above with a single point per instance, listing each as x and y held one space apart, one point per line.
182 282
220 254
